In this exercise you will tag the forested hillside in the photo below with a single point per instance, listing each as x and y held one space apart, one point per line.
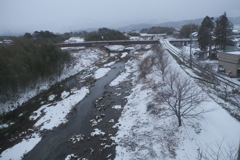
27 61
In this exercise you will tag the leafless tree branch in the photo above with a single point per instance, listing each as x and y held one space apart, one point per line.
182 96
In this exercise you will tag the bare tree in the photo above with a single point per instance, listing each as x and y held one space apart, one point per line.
225 93
161 59
182 96
145 66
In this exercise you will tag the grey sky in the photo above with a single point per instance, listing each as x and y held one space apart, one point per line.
65 15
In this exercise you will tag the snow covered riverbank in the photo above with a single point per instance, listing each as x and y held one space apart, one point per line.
53 113
82 60
143 135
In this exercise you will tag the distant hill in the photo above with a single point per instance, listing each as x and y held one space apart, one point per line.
175 24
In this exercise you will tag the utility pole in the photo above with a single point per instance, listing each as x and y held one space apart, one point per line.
210 45
190 61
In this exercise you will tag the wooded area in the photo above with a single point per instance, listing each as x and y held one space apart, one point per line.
28 61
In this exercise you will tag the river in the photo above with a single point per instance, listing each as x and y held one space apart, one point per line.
56 144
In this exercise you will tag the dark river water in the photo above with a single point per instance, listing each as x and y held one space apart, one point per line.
55 144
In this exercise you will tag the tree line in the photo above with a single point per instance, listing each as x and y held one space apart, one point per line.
211 32
158 30
28 61
47 36
133 34
215 33
104 34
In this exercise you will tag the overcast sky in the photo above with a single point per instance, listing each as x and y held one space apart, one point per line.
58 15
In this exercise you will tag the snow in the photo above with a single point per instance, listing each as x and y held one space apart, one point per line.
101 72
74 40
94 122
236 52
135 38
113 54
109 64
3 126
148 46
51 97
64 94
129 48
115 47
117 107
74 156
76 138
122 77
55 114
18 151
215 129
145 34
124 54
142 135
111 120
97 132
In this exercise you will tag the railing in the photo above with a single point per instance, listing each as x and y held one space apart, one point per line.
182 40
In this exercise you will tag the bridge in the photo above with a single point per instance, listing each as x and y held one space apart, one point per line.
182 41
106 43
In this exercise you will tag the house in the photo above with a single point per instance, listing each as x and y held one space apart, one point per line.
201 54
229 63
214 54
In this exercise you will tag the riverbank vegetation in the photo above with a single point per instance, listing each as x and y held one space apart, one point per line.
28 61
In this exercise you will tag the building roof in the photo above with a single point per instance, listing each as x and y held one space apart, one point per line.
234 52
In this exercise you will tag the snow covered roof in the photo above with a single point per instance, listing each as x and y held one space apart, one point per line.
235 30
235 52
195 33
